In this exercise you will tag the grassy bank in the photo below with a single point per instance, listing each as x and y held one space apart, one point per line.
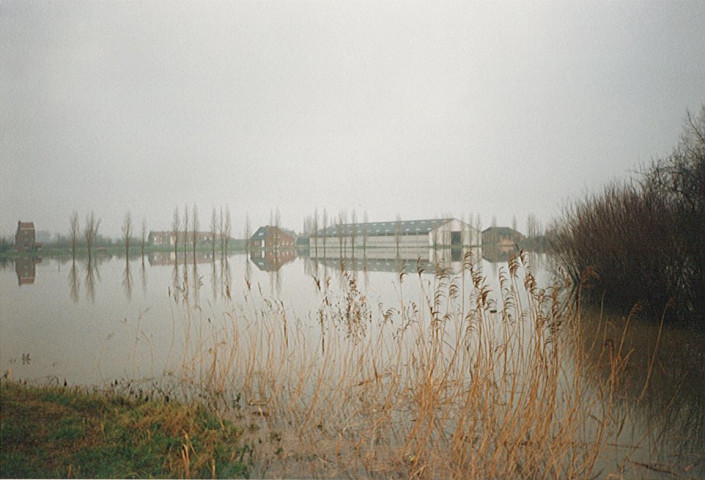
59 432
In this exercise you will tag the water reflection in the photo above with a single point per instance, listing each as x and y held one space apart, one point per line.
127 279
662 392
358 259
144 276
272 260
662 397
396 260
26 269
74 285
92 276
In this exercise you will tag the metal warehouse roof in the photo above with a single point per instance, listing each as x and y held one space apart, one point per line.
405 227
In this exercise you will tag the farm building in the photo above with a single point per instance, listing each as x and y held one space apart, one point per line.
25 238
502 236
161 238
436 233
269 237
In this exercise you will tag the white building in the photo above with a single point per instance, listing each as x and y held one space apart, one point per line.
436 233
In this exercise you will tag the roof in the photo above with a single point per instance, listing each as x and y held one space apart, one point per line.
25 225
265 231
505 231
405 227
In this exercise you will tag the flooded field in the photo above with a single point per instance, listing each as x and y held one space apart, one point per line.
422 366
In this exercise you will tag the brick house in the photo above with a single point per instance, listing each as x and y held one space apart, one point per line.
25 238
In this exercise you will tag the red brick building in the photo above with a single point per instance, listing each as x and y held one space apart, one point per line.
25 238
269 237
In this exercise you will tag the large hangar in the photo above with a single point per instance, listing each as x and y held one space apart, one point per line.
434 233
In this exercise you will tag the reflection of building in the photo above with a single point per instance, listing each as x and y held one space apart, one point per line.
408 260
500 243
269 260
495 253
444 232
168 258
25 238
26 270
269 237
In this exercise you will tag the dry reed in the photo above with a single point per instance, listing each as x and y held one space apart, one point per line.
458 384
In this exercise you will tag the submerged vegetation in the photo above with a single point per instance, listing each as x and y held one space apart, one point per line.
644 242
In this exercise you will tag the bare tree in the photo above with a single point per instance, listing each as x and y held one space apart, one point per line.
228 227
90 232
532 226
144 235
325 231
213 231
127 231
340 233
397 232
353 220
276 223
75 232
185 236
315 231
175 226
221 230
194 233
247 233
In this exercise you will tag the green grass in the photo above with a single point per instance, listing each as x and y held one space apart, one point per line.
62 432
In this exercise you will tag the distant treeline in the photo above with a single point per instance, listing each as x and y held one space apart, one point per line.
643 241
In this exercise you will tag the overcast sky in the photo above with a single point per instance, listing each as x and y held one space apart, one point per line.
416 109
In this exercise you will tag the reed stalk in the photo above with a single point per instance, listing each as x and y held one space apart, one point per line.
457 384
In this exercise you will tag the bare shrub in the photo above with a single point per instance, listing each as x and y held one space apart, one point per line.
645 240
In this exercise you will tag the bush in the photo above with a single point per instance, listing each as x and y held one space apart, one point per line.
5 245
644 241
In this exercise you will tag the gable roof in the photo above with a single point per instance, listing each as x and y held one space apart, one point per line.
504 231
265 231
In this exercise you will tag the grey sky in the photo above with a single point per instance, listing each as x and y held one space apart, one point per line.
415 109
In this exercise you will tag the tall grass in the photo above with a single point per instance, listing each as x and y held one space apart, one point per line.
460 382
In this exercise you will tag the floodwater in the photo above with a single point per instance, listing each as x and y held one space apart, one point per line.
64 321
